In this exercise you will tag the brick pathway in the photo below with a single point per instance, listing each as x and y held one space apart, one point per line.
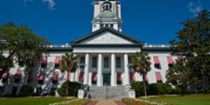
106 102
92 103
120 103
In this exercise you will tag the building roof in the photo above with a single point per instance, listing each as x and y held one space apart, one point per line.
97 32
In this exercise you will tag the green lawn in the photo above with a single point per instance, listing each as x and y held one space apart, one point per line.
30 101
183 100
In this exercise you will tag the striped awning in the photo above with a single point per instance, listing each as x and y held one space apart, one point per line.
81 76
132 76
18 74
94 76
145 78
57 60
68 76
158 76
41 76
119 78
156 60
170 60
55 75
5 75
44 59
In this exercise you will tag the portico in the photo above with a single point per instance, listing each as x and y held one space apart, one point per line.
106 66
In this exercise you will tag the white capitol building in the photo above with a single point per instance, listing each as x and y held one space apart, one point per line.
103 56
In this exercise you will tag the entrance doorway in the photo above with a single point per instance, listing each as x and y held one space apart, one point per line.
106 79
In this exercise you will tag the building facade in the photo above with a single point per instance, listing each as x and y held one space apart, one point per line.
103 57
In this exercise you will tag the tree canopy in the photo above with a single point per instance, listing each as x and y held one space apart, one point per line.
22 42
192 47
141 64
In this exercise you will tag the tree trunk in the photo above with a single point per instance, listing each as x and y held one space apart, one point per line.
144 85
68 80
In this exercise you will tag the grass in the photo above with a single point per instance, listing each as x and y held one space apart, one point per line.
30 101
182 100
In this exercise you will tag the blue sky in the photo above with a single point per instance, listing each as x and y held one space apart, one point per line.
62 21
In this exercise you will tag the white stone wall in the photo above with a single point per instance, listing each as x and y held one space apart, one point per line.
163 63
93 52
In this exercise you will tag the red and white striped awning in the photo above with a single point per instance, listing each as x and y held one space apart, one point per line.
18 74
5 75
145 78
41 76
94 76
44 59
158 76
132 76
57 60
170 60
68 76
30 77
156 60
81 76
119 78
55 75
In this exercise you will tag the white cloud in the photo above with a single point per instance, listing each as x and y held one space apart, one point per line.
195 7
51 4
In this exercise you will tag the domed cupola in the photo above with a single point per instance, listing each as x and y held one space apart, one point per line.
107 13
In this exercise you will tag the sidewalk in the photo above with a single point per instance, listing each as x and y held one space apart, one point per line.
106 102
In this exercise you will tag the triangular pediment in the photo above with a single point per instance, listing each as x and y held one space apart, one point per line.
106 36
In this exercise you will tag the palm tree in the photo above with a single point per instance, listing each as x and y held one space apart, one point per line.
68 64
141 64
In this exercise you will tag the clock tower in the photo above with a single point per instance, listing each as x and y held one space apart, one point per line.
107 13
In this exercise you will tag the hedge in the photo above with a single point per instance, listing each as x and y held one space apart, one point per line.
73 88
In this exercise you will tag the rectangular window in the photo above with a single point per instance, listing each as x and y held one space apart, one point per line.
118 62
82 62
111 25
106 62
129 60
106 25
94 62
101 25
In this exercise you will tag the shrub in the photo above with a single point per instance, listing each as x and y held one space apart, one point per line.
138 87
177 90
26 90
73 88
159 89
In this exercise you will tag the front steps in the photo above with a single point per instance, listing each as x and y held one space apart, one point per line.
107 92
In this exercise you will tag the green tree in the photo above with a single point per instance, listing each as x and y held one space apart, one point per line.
178 75
22 42
193 46
68 64
141 64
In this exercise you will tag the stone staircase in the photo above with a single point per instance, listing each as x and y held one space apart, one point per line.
107 92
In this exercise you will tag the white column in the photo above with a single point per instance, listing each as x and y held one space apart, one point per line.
113 69
77 72
99 74
86 69
72 76
126 75
90 79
